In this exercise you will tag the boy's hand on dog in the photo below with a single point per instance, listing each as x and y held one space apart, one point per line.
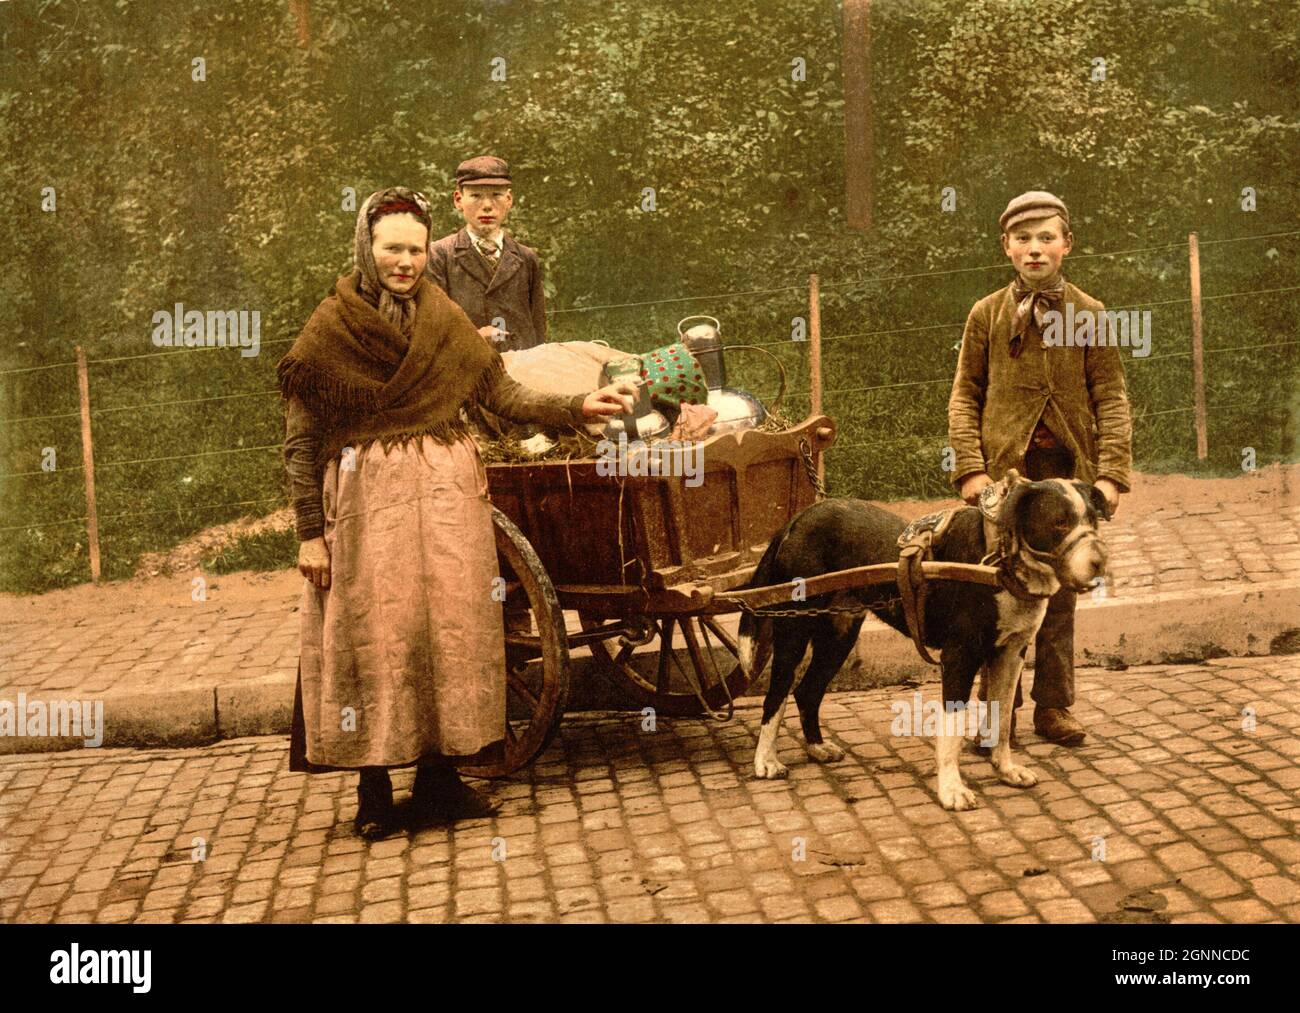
973 485
1111 491
314 561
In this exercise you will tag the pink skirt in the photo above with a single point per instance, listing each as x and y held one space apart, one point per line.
403 656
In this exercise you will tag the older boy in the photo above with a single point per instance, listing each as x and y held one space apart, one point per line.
1058 411
482 268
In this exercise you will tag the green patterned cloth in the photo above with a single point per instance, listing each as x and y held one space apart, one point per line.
672 373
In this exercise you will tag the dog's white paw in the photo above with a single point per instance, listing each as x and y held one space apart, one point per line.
1014 774
956 797
769 768
824 752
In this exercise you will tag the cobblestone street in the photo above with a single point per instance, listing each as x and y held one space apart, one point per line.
1182 806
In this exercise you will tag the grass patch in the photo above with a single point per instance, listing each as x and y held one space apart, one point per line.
268 550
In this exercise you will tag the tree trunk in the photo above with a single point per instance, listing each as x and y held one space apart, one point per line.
302 17
857 113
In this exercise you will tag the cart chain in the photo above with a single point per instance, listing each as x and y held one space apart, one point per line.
768 611
805 451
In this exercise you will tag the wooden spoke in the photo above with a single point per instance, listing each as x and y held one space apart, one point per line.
522 691
712 684
665 656
667 687
727 640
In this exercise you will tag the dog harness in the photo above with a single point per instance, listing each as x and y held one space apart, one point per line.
916 545
1024 572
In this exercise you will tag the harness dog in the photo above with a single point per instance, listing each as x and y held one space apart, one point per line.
1039 535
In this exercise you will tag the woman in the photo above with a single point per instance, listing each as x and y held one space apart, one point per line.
402 658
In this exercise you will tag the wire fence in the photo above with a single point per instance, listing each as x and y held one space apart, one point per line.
762 344
863 282
844 286
855 337
932 437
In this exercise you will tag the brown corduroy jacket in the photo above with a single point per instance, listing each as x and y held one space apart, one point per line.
513 292
997 400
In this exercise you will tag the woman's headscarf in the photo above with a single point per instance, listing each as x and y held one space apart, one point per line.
397 308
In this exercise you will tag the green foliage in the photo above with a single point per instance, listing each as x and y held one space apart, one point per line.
229 193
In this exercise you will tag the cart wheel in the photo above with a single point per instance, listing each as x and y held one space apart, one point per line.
675 687
536 694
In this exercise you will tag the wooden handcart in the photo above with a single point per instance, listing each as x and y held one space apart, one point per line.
643 561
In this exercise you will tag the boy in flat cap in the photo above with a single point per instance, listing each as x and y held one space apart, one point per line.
482 268
1058 411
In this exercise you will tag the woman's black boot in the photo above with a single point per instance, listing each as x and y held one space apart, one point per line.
438 791
374 804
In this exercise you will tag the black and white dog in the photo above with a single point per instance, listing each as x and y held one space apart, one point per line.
1046 534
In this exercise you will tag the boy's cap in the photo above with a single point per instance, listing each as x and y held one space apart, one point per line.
1033 204
486 170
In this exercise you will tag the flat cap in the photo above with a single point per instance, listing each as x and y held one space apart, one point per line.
486 170
1033 204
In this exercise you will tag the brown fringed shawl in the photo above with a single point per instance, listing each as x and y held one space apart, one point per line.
365 380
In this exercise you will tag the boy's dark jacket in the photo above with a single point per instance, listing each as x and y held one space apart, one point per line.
997 400
513 292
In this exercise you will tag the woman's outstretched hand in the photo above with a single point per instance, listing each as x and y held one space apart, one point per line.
314 561
616 399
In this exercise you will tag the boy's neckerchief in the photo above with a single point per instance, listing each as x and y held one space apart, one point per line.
1032 304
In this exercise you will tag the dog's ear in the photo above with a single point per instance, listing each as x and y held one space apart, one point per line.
1017 495
1096 497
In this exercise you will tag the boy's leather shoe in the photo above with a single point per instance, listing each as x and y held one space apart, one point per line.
1056 724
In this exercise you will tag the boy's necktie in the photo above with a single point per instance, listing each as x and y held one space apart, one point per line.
1031 306
490 253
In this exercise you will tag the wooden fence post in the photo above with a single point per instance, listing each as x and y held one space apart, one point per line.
815 358
1198 349
88 461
